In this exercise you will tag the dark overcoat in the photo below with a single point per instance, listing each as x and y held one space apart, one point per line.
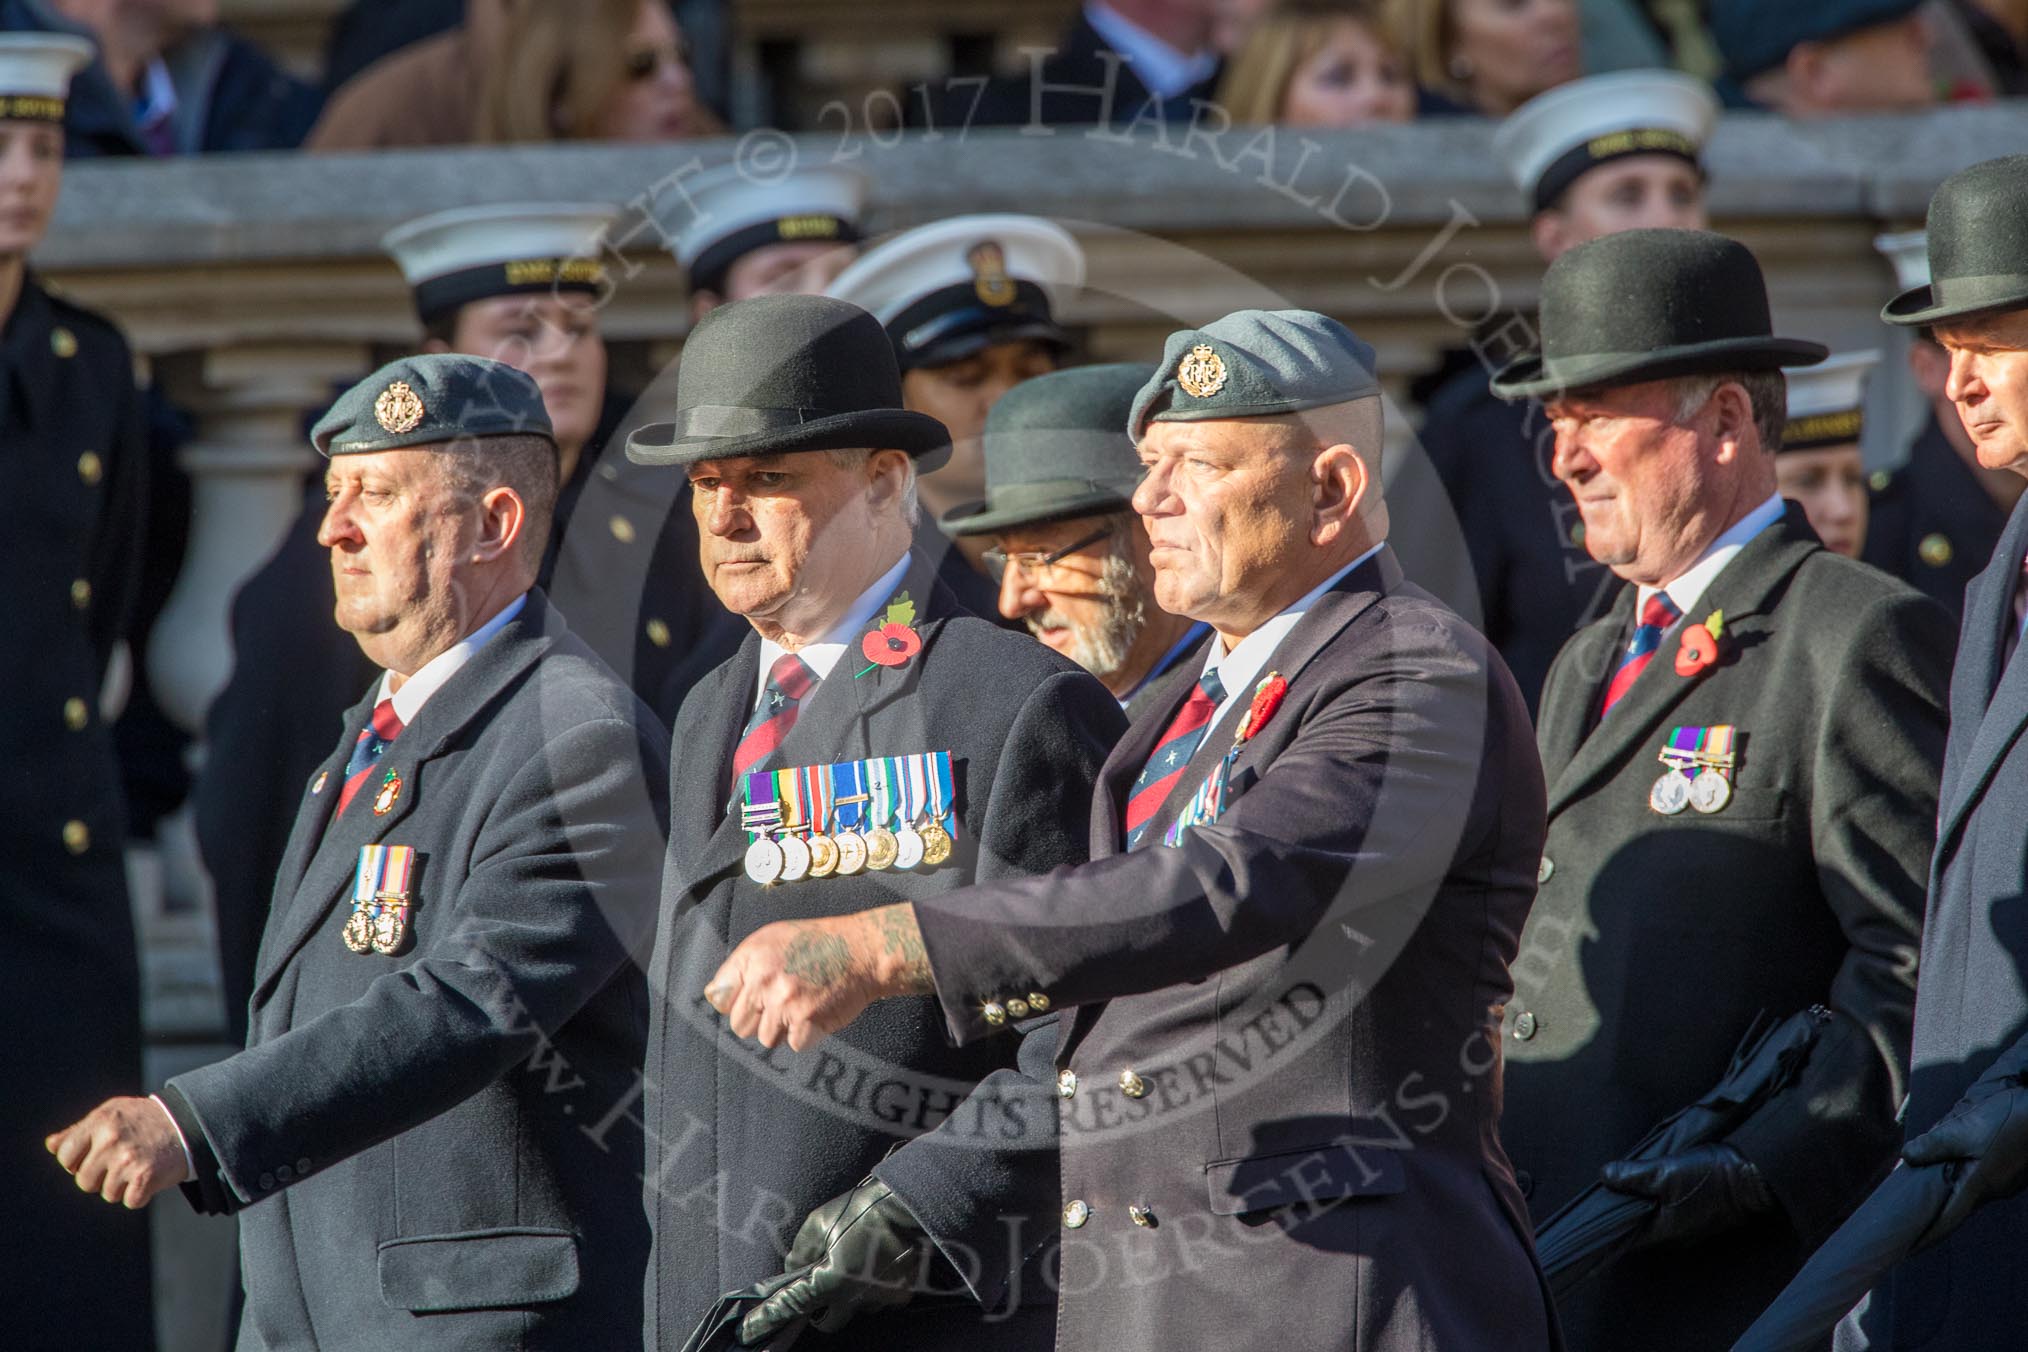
1932 524
1657 941
412 1142
1276 1077
742 1142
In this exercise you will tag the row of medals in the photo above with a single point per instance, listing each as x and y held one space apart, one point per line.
789 858
1708 792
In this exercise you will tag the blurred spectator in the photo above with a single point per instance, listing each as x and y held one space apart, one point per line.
168 80
1999 28
1823 58
1489 56
739 236
1818 463
1318 63
526 70
1119 62
371 29
1232 20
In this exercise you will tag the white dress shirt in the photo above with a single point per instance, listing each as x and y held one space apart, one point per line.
1689 588
1164 70
823 655
1239 669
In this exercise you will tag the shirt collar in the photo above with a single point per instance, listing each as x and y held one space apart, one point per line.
1164 70
1192 635
416 690
1689 588
157 102
823 655
1237 670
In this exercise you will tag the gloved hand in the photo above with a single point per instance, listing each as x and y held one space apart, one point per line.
864 1251
1702 1191
1985 1139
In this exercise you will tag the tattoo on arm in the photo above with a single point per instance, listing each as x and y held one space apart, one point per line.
821 959
901 941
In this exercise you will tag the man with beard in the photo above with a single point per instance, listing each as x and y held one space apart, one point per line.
1072 557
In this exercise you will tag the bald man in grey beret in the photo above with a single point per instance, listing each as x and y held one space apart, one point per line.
1261 1105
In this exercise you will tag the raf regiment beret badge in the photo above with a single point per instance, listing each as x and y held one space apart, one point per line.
1202 372
398 409
437 399
1255 364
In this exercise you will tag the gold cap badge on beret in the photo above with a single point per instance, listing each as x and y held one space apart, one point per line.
399 408
1201 373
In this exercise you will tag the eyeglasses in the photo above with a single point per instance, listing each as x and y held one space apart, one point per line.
1031 562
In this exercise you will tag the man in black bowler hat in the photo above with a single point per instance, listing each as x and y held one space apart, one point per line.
1742 759
444 994
1967 1103
1071 555
803 767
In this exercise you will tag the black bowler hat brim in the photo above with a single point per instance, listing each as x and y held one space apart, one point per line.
886 429
1920 306
1035 505
1531 378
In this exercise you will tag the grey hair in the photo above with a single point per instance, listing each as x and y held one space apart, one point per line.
911 505
1766 391
529 464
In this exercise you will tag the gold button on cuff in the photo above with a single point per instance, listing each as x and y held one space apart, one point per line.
80 593
1132 1085
1076 1214
1017 1008
1140 1215
1066 1084
76 714
90 468
1038 1002
993 1013
658 633
77 837
623 530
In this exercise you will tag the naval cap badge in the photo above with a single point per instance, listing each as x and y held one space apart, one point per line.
1201 373
399 408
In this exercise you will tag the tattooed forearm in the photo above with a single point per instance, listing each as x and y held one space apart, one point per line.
819 958
901 948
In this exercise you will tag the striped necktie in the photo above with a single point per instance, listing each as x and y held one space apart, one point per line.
379 732
1656 617
1172 754
789 679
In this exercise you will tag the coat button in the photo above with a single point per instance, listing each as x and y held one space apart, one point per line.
994 1013
1076 1214
77 837
267 1182
303 1166
623 530
1038 1002
1066 1084
1525 1181
1545 870
76 713
658 633
63 342
1017 1008
1524 1025
1935 549
1141 1216
1132 1085
80 593
90 468
1881 480
285 1173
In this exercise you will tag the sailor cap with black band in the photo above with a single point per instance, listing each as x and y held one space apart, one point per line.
1826 402
1554 139
948 289
35 73
724 214
453 258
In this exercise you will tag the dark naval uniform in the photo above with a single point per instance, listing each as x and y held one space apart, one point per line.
70 428
1932 524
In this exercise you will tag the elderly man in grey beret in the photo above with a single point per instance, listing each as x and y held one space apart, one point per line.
1070 554
1266 1109
443 995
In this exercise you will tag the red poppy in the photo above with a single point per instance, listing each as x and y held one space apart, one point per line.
1697 652
891 644
1267 697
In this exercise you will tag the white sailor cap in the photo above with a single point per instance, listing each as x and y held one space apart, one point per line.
1826 401
470 253
35 71
947 289
723 214
1908 251
1554 138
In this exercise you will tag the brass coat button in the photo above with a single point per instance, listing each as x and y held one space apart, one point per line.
1038 1002
994 1013
90 468
1524 1026
63 342
623 530
1880 479
1132 1085
1076 1214
80 593
1935 549
658 633
77 837
76 714
1066 1084
1017 1008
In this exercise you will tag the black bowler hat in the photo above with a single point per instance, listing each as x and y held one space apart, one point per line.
1056 447
1648 305
1978 246
788 373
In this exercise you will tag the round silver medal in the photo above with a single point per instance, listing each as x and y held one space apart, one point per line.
851 853
795 858
764 861
907 847
1670 795
1710 791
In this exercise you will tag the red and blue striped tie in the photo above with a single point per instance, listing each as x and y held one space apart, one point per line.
1171 756
380 730
1656 617
789 679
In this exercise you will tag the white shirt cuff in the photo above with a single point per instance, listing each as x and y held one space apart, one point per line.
189 1160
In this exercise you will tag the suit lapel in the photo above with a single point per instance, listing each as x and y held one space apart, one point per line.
1989 703
334 856
1745 587
1570 703
314 815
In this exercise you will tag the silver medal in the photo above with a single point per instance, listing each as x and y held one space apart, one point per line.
795 857
1671 794
764 861
908 847
1710 791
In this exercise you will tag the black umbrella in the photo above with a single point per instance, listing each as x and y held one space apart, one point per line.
1598 1225
719 1329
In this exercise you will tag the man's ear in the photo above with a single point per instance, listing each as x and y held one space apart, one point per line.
1931 367
1733 408
1550 231
703 303
1341 480
435 345
1803 74
503 521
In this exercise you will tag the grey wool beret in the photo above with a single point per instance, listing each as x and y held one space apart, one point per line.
1255 364
431 399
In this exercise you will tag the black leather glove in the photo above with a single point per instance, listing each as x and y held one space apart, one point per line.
1985 1140
864 1251
1703 1191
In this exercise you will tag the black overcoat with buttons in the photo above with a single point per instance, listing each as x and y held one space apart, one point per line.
70 554
421 1146
1932 524
1275 1079
744 1142
1657 941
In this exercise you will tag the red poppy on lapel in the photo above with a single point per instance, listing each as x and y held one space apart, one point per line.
1698 650
891 645
1267 697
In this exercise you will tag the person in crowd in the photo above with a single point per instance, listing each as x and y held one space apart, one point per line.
1773 866
521 71
1937 517
970 304
1073 561
1119 62
739 236
1826 58
71 420
469 872
1999 29
1310 869
1594 157
1318 63
1818 465
1489 56
871 740
364 31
